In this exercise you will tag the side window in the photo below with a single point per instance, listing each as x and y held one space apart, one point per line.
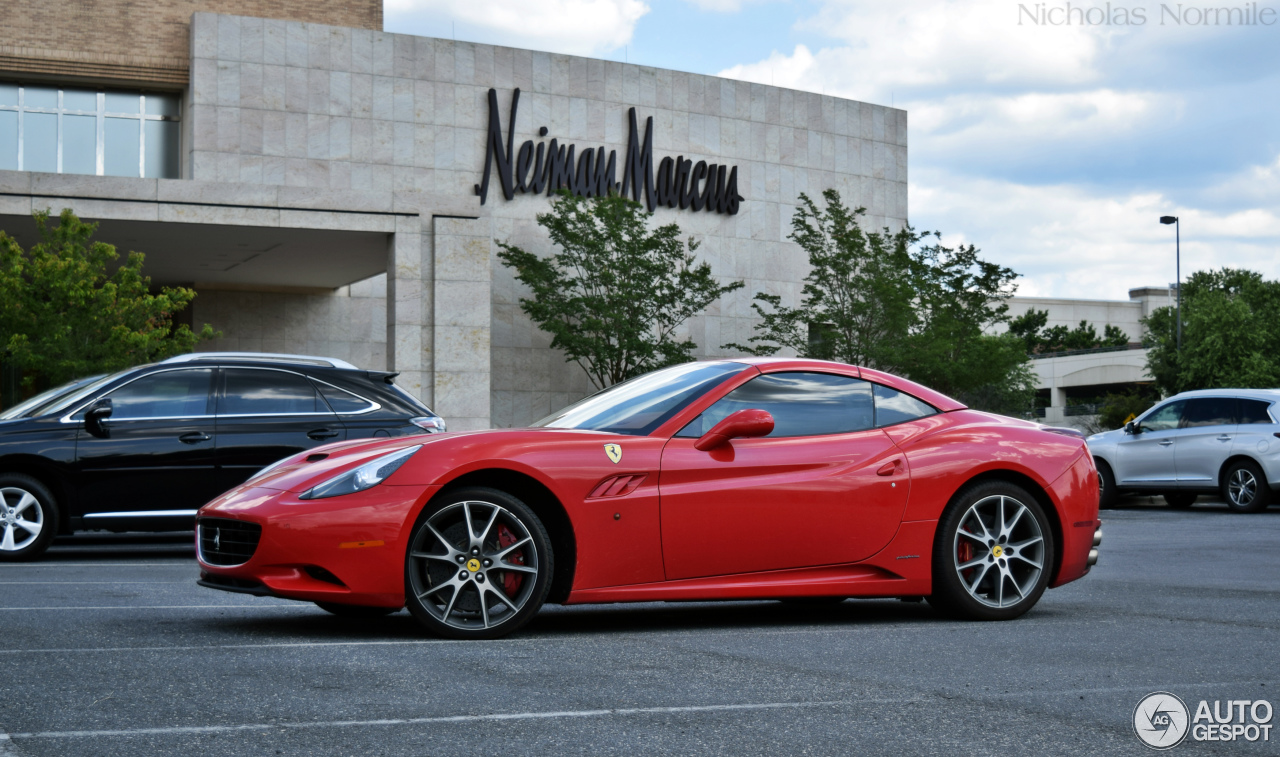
343 401
892 406
802 404
169 394
1254 411
266 392
1210 411
1164 418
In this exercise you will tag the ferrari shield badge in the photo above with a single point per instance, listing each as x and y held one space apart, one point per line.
614 452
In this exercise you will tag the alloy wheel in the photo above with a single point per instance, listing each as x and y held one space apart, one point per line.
999 551
474 565
1242 487
22 518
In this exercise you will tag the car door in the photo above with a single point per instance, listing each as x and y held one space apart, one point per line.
824 488
1208 428
265 414
1146 458
1256 431
157 459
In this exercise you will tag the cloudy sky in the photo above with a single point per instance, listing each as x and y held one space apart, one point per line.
1053 146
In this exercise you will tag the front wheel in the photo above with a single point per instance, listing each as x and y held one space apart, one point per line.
992 554
28 517
479 565
1108 496
1245 488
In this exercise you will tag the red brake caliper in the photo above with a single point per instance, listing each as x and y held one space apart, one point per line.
510 579
964 552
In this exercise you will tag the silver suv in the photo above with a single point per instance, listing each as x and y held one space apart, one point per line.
1201 442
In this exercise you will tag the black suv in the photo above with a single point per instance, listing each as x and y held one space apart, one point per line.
142 449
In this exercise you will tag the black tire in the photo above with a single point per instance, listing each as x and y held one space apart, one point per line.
1179 500
458 600
1022 563
1245 488
16 542
1108 495
358 612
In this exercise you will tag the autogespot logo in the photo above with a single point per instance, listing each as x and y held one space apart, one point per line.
1160 720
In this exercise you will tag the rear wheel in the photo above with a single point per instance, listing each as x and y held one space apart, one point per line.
363 612
1108 497
1179 500
992 553
479 565
1245 488
28 517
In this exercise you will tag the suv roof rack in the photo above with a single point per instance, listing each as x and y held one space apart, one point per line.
277 357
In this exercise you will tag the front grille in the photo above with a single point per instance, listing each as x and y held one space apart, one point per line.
228 542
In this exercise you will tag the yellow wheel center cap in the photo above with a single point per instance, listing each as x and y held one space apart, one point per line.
473 565
997 551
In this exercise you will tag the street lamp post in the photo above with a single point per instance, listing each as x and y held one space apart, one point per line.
1177 247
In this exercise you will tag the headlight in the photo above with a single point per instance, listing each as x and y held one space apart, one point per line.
366 476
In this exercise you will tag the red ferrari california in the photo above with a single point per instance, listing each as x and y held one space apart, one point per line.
742 479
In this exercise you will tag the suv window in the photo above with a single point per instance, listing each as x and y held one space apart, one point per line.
343 401
802 404
1210 411
168 394
892 406
250 391
1164 418
1254 411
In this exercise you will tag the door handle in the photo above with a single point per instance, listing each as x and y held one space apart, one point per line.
320 434
195 437
1165 442
1224 438
890 468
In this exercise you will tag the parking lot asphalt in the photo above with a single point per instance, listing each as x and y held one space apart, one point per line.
108 647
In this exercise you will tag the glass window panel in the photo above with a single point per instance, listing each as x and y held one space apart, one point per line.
40 142
1164 418
802 404
79 144
8 140
40 97
120 147
343 401
252 392
162 150
892 406
122 103
162 105
80 99
1210 411
8 94
1254 411
172 394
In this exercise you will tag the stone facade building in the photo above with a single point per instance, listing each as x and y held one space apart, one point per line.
315 179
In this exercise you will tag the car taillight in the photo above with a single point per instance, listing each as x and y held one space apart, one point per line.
432 424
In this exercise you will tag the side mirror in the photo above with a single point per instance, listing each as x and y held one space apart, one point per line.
1131 427
744 423
95 418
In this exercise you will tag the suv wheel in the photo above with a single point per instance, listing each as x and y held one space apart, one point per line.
1245 488
28 517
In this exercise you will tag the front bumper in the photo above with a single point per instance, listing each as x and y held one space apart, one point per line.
347 549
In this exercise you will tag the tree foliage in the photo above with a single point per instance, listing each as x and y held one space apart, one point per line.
1230 334
64 314
616 292
1031 328
901 302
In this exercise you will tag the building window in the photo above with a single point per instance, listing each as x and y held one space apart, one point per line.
86 131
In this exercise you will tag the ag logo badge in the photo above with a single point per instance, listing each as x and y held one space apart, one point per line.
614 452
1160 720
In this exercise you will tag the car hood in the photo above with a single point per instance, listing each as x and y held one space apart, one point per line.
1106 437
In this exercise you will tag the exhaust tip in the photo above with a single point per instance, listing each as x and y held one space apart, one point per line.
1097 537
1093 558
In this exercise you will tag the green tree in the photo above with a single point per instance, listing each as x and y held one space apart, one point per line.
1031 328
1230 334
900 302
615 293
63 315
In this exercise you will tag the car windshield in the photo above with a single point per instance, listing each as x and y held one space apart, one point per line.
33 406
640 405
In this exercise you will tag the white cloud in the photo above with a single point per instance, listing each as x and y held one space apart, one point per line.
579 27
718 6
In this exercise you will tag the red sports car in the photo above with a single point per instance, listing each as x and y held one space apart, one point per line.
742 479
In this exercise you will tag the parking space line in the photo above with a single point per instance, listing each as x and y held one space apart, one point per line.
83 583
14 566
170 607
563 714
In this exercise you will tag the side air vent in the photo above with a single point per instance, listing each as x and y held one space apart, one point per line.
617 486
